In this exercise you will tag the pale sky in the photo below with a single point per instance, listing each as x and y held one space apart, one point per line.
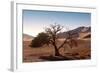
35 21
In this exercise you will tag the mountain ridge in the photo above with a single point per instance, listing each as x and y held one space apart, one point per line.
75 32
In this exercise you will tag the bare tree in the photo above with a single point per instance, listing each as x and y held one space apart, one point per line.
52 31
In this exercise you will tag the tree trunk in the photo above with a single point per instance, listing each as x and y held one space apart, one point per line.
57 52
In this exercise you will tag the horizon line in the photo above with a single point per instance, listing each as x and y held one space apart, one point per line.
63 31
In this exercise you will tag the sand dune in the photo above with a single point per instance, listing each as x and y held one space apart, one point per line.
27 37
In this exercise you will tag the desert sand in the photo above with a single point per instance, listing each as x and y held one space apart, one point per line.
81 52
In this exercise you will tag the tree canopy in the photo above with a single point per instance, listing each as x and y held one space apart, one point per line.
41 39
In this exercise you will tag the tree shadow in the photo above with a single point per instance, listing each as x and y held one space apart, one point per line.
55 58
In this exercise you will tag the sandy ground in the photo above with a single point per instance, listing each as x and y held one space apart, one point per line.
83 51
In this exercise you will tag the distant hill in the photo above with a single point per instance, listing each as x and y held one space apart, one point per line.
85 35
75 32
27 37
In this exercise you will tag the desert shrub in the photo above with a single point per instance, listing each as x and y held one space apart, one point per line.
35 42
41 39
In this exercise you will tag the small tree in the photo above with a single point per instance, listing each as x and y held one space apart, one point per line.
41 39
52 31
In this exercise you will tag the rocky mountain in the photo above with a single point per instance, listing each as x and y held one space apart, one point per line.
75 32
27 37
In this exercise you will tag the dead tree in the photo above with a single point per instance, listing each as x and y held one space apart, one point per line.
52 31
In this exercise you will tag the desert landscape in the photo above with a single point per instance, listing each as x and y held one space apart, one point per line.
47 52
56 36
